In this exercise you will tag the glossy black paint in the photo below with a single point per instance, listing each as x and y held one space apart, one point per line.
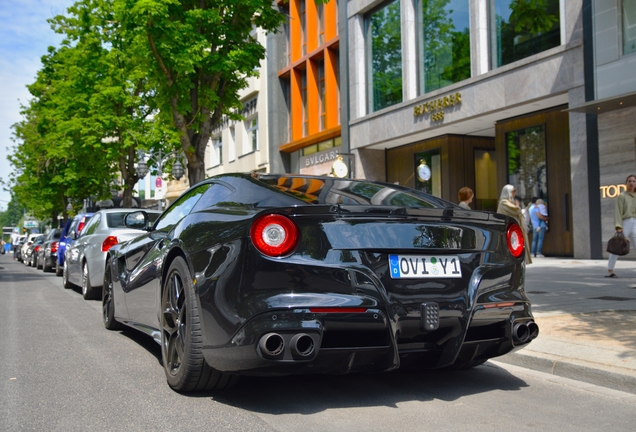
341 261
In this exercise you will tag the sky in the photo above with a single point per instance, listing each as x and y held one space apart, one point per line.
25 36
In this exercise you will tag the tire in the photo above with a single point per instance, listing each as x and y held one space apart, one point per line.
65 282
45 267
108 303
58 269
37 262
181 340
88 292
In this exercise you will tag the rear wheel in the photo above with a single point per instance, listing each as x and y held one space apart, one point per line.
45 265
88 292
58 269
108 303
181 340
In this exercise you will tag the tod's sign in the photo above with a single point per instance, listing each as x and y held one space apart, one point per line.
612 191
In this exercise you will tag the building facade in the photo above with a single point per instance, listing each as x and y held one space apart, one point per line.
242 145
473 93
304 88
610 105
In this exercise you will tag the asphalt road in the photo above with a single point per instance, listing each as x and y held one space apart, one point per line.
62 371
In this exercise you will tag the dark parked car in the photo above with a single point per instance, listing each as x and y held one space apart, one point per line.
47 255
86 257
286 274
30 252
70 232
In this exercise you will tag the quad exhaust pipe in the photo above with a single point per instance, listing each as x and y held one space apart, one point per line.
301 346
272 346
523 332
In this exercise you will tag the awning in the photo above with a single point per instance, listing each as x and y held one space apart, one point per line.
606 105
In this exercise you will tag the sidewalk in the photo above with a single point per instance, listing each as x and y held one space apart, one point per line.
587 322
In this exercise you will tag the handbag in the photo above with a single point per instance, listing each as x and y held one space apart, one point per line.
618 245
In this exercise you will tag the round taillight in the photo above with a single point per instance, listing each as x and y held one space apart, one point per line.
108 243
514 237
274 235
54 247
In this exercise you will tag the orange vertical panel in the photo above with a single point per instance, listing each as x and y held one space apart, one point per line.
331 84
312 26
330 12
295 33
296 105
312 95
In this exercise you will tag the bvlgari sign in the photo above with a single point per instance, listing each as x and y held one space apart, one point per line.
436 106
319 158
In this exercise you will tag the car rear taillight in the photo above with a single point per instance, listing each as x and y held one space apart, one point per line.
37 249
109 242
54 247
274 235
514 237
81 224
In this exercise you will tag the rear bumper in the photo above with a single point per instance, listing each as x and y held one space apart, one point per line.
366 342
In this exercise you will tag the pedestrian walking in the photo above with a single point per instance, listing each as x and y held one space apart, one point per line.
508 207
14 242
465 196
624 218
539 218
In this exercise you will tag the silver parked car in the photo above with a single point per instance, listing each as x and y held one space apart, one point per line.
85 259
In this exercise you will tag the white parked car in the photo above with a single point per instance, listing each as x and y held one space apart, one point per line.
85 259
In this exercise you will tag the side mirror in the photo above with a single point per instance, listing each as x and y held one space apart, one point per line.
136 220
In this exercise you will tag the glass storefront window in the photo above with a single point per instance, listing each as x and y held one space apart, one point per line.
428 172
629 26
444 43
384 56
527 169
521 28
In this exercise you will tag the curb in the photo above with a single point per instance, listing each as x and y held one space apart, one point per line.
599 375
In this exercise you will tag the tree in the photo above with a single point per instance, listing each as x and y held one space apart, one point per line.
120 108
198 55
53 159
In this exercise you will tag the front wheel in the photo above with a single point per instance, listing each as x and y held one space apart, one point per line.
181 341
65 282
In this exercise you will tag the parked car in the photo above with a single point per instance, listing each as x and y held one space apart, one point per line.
25 247
70 232
86 257
47 255
286 274
32 251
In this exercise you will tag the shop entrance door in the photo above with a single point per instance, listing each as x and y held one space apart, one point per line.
533 153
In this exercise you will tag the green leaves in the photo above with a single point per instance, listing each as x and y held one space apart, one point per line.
531 16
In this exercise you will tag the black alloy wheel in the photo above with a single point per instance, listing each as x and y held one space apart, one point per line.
181 340
88 292
108 303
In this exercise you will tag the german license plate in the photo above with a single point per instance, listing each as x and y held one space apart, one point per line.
424 266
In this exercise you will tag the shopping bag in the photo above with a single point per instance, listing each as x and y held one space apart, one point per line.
618 245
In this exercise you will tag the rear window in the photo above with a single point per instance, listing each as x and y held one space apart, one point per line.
350 192
116 220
